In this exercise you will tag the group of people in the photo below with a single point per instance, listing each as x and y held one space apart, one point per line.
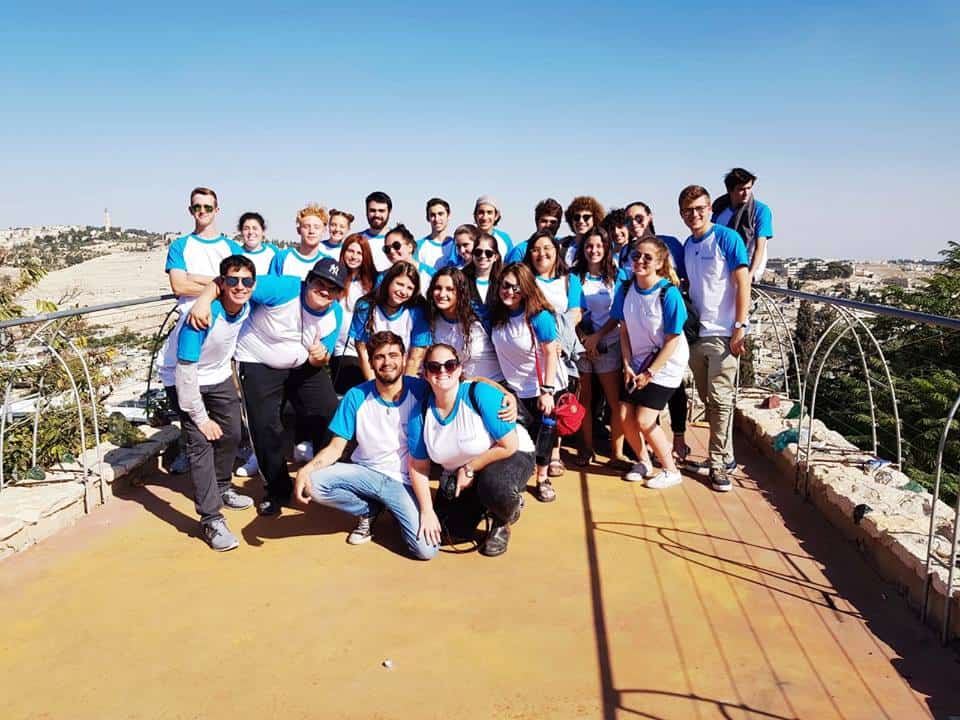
445 356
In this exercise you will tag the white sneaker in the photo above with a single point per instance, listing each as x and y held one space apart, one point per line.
664 479
638 472
303 452
250 468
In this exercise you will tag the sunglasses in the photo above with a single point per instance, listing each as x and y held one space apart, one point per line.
583 216
510 287
233 280
198 208
634 219
394 246
433 367
637 256
480 252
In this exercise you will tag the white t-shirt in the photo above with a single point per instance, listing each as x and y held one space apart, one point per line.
197 256
466 433
262 257
291 262
212 348
379 426
349 304
281 327
596 301
514 348
710 262
380 261
477 354
563 292
649 318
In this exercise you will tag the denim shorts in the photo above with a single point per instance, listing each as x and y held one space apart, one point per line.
609 361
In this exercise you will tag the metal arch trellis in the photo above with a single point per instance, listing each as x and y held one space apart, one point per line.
158 338
777 313
928 582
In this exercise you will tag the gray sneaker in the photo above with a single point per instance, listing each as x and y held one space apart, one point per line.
363 532
638 472
234 500
720 481
218 535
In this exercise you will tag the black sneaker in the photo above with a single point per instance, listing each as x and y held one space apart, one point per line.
269 506
720 481
496 541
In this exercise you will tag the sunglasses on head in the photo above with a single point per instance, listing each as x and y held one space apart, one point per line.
636 255
433 367
395 246
481 252
198 207
234 280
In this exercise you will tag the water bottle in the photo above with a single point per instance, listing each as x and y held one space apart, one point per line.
546 439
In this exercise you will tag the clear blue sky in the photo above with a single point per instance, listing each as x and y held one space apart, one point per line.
847 112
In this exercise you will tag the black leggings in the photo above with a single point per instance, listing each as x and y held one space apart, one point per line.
677 404
496 489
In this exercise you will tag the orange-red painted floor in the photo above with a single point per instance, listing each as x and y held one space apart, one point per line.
613 602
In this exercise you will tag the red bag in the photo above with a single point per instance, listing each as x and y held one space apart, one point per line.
567 410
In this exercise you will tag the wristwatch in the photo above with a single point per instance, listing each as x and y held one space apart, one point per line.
467 470
745 325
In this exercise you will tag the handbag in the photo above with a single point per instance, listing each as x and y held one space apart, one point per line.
567 410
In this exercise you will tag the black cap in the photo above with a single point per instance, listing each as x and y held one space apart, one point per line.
329 269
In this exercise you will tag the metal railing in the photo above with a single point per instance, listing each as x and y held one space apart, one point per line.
54 363
852 322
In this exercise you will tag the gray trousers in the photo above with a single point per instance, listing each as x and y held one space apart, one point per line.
714 373
211 463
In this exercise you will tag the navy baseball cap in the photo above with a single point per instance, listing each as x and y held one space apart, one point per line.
329 269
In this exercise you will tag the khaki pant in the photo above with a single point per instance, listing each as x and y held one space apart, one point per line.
715 372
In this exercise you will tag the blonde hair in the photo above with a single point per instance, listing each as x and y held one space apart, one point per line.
663 254
315 210
342 213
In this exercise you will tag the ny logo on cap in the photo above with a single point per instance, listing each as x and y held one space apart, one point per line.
334 268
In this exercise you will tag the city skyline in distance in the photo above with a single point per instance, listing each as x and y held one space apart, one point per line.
841 113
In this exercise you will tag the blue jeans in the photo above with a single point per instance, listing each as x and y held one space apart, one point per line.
358 490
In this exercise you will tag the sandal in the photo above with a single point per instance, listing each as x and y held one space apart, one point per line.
545 491
556 468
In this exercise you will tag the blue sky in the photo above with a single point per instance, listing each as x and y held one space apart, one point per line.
846 113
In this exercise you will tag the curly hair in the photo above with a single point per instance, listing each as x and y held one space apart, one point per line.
533 298
608 269
463 310
315 210
584 203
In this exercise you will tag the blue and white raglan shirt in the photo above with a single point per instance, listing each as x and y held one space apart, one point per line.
197 256
762 222
596 301
426 275
514 348
329 249
649 318
562 292
262 257
289 261
204 357
380 426
504 241
516 254
431 253
409 323
466 433
281 327
675 247
710 262
380 261
476 352
483 288
349 304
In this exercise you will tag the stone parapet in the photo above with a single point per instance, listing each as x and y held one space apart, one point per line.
31 511
874 507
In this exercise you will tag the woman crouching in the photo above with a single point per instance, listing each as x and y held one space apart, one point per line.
486 459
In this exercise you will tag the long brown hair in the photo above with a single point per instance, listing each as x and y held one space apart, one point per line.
466 317
531 296
367 272
379 295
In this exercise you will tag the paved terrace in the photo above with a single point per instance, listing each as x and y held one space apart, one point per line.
614 602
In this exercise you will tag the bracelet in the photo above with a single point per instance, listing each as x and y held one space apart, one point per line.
547 388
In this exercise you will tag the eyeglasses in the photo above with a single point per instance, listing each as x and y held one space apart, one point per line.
480 252
234 280
395 247
195 209
510 287
646 257
698 209
433 367
583 216
634 219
